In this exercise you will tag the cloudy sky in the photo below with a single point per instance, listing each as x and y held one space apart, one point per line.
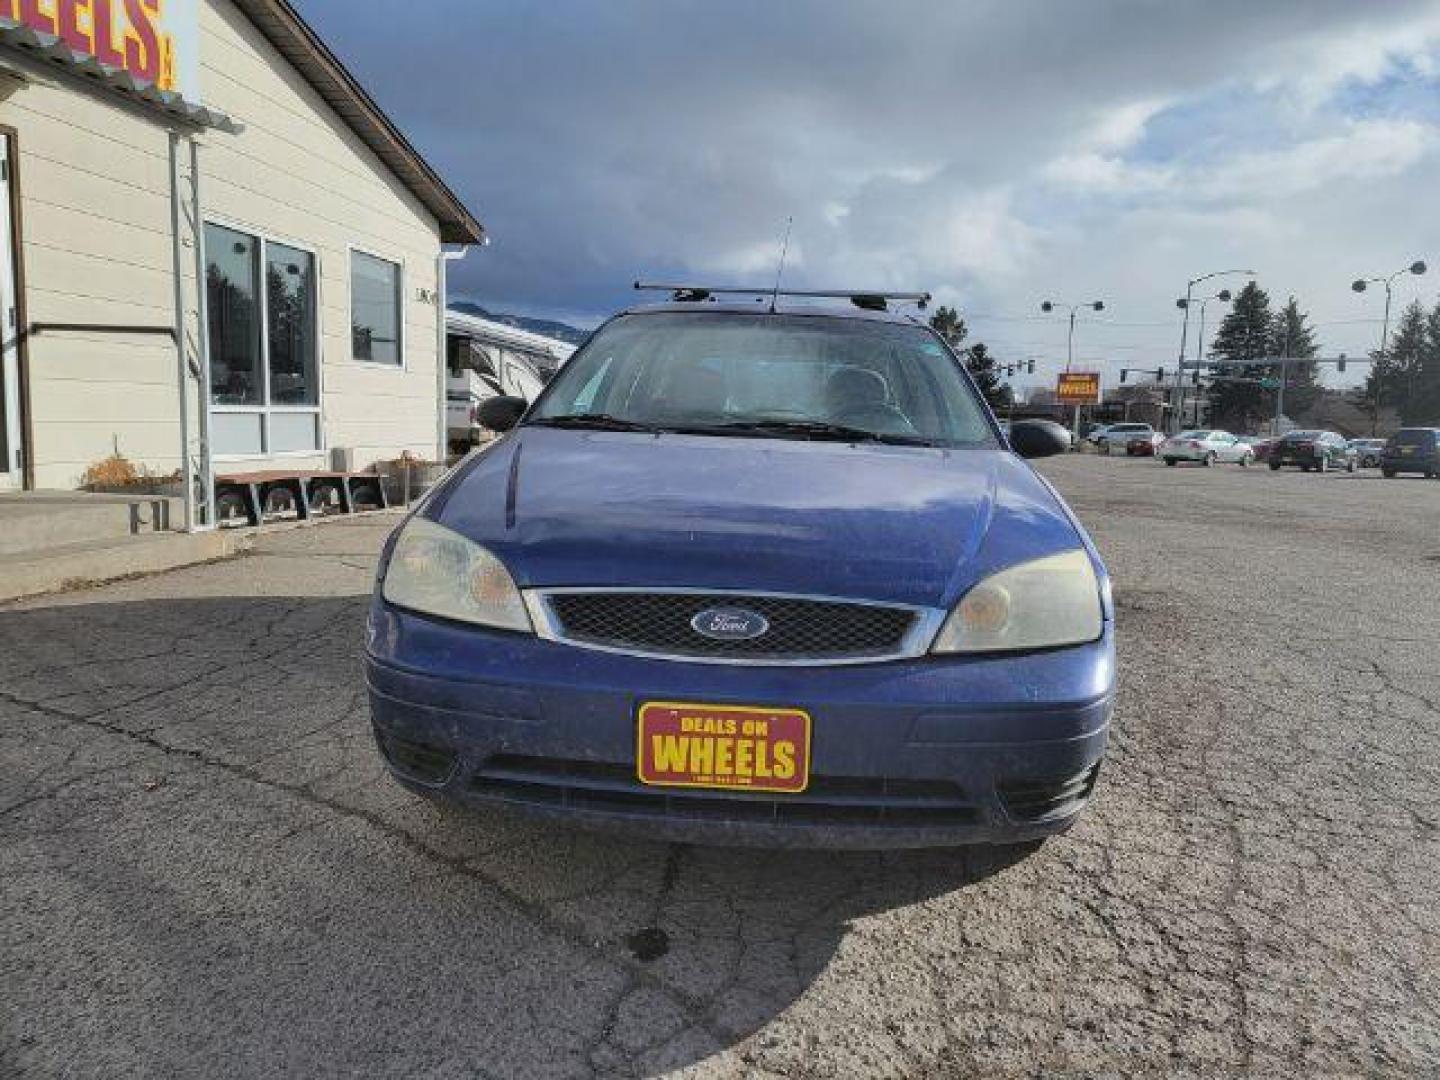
996 152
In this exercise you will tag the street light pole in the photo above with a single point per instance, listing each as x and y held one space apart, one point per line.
1048 306
1417 268
1184 305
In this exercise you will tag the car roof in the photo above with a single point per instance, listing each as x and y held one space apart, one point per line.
907 315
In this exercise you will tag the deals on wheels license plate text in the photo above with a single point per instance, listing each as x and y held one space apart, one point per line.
723 746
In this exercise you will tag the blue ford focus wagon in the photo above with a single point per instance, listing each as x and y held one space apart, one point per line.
759 572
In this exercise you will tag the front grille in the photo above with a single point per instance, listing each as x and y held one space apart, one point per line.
800 629
829 800
1037 799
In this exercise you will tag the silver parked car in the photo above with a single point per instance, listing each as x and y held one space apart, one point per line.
1208 447
1368 452
1117 437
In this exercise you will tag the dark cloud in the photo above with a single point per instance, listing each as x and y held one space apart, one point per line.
914 144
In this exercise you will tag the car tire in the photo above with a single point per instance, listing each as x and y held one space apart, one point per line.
1208 460
1324 464
1274 466
1170 461
1246 460
1389 474
1351 466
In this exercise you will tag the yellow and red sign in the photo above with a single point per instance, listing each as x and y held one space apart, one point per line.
1078 388
723 746
156 41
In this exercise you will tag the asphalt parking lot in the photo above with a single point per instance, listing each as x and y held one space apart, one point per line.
205 871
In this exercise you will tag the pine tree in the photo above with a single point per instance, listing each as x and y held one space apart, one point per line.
1237 401
948 324
1428 379
984 369
1400 372
1291 335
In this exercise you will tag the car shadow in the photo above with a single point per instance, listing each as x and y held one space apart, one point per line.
207 839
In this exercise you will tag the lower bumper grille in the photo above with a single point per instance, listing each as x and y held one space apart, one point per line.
1035 800
430 764
829 800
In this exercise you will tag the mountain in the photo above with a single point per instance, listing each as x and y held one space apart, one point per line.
548 327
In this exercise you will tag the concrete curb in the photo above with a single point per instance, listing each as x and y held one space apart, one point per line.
74 566
67 567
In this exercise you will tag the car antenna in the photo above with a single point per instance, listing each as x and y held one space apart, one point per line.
780 270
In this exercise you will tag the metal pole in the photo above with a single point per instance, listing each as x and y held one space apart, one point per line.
1200 354
1385 332
1284 378
1070 359
202 291
187 473
1184 342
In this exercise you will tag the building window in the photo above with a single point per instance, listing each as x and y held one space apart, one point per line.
375 310
264 344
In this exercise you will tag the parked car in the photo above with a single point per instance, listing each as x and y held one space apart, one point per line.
1259 444
1143 445
1368 452
750 575
1119 436
1412 450
1320 451
1207 447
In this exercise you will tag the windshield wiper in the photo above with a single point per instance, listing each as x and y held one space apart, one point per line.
810 429
594 422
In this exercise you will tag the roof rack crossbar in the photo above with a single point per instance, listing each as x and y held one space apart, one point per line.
861 297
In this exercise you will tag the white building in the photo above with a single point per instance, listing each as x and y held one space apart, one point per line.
149 148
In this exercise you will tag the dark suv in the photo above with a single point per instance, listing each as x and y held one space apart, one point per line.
1317 450
1415 449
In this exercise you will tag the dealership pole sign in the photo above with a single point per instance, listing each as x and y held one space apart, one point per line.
154 41
1078 388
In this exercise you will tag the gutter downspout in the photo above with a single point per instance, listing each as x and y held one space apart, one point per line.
202 296
187 471
442 360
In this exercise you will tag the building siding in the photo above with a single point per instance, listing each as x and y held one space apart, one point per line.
98 249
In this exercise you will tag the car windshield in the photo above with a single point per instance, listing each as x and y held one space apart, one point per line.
1297 436
1415 437
779 376
1193 435
1123 428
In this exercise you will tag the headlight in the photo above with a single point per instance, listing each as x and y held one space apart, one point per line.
439 572
1041 604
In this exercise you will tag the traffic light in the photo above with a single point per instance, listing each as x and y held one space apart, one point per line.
1159 374
1030 369
1124 374
1195 377
1340 364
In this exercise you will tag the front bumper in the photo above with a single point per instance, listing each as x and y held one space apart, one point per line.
910 753
1411 463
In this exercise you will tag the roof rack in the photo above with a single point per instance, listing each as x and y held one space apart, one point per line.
868 299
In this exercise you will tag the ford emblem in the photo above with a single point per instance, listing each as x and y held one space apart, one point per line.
730 624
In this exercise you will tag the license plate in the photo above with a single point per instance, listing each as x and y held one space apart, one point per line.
725 747
1407 450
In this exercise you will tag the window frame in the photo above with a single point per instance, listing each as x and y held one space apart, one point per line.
402 339
264 410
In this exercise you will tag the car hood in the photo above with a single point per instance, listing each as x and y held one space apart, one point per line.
900 524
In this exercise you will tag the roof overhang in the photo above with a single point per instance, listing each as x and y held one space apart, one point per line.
50 50
301 46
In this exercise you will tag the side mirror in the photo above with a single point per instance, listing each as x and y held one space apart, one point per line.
1038 438
503 412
